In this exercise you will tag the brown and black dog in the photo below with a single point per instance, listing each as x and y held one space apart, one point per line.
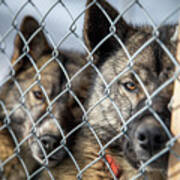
40 91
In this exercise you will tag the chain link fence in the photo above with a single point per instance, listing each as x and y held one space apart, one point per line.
33 139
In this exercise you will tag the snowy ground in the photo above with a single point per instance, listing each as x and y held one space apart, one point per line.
58 20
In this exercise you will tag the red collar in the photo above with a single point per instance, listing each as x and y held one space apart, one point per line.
114 166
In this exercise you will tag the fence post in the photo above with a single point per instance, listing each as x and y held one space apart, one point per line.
174 162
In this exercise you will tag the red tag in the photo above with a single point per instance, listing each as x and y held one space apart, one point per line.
115 168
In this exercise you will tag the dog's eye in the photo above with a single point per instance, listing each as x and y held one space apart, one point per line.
38 95
130 86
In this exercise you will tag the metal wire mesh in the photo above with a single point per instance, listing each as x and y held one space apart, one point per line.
16 153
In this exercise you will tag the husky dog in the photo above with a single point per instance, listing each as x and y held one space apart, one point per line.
40 92
127 85
126 105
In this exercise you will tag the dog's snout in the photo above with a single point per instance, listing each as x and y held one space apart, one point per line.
150 137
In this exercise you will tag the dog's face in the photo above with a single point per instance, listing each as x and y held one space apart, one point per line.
31 96
131 100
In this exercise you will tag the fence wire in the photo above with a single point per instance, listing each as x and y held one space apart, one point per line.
17 160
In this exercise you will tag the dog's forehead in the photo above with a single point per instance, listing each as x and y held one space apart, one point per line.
45 74
144 59
139 53
46 67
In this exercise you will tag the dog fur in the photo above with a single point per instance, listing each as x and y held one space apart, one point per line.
154 68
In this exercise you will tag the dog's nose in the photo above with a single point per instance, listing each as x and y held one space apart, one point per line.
150 137
48 142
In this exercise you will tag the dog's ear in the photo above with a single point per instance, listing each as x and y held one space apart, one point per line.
97 27
30 39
